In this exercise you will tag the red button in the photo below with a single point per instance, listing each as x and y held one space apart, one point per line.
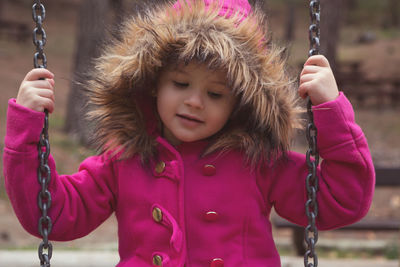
211 216
209 170
217 263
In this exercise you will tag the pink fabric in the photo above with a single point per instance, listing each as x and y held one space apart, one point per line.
240 233
227 7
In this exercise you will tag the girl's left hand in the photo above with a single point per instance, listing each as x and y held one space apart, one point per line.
317 81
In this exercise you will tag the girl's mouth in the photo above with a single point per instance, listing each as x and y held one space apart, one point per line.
190 118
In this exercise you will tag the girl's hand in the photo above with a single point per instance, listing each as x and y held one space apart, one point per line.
317 81
37 94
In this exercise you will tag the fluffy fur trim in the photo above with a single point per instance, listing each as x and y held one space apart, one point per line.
123 110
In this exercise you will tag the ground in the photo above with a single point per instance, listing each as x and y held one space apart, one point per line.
381 124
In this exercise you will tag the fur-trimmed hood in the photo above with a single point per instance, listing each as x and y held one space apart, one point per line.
224 34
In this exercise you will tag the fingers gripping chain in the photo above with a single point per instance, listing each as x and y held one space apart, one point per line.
43 172
311 231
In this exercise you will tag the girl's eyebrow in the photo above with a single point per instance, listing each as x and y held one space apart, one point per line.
178 69
219 82
181 71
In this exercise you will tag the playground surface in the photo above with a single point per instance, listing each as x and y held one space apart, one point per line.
63 258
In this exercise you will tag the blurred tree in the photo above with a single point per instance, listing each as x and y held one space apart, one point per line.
119 11
257 2
394 11
140 5
351 4
91 30
1 8
290 20
331 19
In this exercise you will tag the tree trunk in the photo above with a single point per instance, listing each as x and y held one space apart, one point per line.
394 13
256 2
290 19
331 17
1 8
119 14
140 5
91 30
352 4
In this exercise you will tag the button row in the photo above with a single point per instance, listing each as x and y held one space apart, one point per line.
217 262
208 169
210 216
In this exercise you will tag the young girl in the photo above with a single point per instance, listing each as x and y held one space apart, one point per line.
193 117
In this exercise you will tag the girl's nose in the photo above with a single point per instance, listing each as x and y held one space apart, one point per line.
194 100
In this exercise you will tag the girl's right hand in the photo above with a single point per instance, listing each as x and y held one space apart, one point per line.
37 94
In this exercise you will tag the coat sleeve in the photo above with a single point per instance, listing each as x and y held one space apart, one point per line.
80 202
346 173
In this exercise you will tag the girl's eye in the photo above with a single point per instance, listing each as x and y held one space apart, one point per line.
180 84
214 95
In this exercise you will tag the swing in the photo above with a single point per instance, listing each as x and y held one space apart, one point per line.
44 173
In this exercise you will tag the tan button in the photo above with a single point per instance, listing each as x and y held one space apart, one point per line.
209 170
157 214
157 260
160 167
211 216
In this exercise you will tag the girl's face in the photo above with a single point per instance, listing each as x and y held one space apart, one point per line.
193 102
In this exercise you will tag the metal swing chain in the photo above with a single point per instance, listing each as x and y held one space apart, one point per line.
311 231
43 172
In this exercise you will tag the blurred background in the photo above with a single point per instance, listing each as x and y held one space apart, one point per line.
361 38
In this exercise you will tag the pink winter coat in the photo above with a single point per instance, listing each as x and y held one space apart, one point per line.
187 210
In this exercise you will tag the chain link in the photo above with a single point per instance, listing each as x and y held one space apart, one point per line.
314 30
43 172
311 231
